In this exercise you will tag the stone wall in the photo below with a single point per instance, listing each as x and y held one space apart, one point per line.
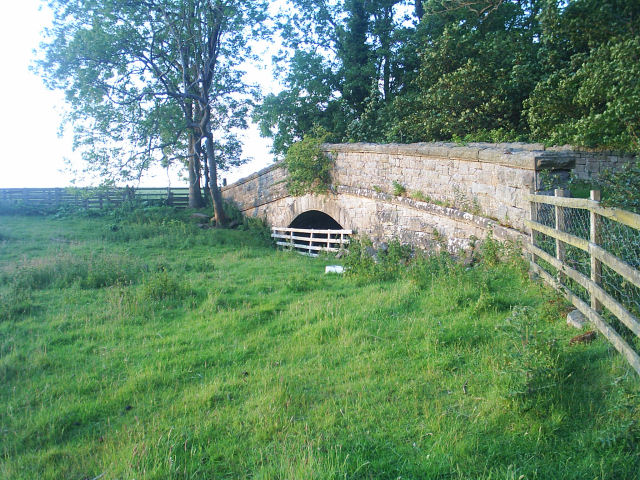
453 193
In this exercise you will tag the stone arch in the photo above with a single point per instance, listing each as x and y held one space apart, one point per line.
326 204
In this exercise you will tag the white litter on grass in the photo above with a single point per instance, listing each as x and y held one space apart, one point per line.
334 269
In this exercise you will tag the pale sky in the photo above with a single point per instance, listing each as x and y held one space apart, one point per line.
32 152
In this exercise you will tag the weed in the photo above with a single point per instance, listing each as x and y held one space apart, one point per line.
16 302
366 263
81 269
534 367
421 197
377 189
161 286
398 189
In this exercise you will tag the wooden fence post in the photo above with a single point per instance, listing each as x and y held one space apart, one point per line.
595 238
533 216
560 225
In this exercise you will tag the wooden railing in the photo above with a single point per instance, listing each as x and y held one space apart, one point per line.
311 241
575 231
90 198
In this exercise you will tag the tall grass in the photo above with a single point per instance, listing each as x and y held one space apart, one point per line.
228 359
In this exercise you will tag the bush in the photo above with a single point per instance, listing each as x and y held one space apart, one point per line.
308 167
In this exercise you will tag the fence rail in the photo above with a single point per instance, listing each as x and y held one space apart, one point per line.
311 241
591 254
91 197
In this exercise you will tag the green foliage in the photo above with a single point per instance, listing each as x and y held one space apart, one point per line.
534 368
493 71
75 268
368 264
308 167
594 101
146 82
162 285
398 189
622 187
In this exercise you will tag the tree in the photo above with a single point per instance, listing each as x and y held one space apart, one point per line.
347 59
479 63
156 78
590 95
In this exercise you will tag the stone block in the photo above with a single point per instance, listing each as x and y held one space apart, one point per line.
576 319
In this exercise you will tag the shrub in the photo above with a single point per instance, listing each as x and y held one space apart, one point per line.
308 167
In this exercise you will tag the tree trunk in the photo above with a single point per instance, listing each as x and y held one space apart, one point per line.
195 194
419 9
216 195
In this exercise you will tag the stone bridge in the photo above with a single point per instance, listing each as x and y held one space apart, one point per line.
453 194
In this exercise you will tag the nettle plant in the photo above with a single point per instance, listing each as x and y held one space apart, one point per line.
308 166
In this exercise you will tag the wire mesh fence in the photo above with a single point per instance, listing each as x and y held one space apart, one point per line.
593 254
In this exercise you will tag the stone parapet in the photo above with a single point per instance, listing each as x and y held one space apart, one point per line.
417 191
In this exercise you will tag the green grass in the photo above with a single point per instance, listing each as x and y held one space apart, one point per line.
140 346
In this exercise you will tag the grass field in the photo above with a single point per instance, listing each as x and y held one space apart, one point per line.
137 346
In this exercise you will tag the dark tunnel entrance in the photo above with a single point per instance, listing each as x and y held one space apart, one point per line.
315 219
312 232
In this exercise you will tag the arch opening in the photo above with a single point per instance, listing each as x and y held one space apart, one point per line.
315 219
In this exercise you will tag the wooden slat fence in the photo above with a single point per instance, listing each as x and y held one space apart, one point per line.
591 254
311 241
51 198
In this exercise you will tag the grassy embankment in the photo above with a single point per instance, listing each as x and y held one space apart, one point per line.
143 347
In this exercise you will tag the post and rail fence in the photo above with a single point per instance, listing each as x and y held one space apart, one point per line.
311 241
91 198
591 254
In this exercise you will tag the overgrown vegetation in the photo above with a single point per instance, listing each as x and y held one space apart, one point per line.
621 188
490 70
231 359
308 166
398 189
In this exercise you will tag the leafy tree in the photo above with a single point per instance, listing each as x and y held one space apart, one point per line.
596 105
348 58
590 96
479 62
150 80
